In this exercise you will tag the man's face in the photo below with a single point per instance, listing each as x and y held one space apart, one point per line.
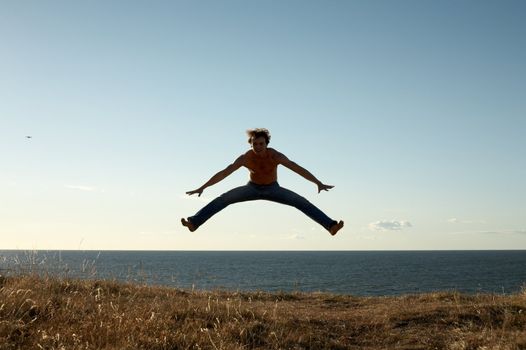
259 145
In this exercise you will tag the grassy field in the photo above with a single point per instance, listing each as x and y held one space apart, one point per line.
52 313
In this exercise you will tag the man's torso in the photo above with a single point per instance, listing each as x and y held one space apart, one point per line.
263 169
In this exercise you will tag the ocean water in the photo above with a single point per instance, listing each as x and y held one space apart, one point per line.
361 273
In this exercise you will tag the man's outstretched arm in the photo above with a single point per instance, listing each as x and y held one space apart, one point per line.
219 176
283 160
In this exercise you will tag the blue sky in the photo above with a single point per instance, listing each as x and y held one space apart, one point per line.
414 110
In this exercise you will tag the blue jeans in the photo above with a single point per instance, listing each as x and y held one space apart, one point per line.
272 192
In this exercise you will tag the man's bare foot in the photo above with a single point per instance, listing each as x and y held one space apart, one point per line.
336 227
188 224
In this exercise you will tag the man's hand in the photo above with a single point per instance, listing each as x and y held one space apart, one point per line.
198 191
323 187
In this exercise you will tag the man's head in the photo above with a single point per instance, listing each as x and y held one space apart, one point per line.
258 139
257 133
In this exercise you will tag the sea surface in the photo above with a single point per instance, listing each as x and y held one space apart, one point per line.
361 273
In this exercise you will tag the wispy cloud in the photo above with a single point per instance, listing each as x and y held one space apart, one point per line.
504 232
459 221
195 198
492 232
295 236
81 188
156 233
393 225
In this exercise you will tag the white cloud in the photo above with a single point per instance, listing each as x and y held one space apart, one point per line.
295 236
495 232
458 221
505 232
81 188
196 198
392 225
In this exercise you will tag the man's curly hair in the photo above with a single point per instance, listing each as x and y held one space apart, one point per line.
258 132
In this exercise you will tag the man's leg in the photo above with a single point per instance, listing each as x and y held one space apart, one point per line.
236 195
288 197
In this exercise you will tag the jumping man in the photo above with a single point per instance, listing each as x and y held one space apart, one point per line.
262 163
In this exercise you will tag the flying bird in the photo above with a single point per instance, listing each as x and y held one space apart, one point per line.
29 137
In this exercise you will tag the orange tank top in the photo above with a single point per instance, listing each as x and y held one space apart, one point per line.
263 169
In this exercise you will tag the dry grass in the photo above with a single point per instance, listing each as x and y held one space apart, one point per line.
51 313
